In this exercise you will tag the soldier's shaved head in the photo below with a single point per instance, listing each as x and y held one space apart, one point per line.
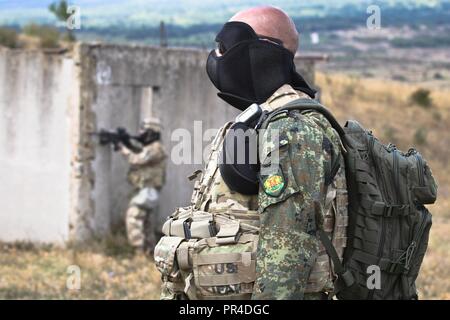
271 22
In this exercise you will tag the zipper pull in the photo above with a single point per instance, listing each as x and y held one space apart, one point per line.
411 151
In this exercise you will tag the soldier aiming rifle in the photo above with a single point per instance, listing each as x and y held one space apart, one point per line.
147 159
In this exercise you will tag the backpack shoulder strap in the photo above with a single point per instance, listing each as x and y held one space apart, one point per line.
345 277
303 104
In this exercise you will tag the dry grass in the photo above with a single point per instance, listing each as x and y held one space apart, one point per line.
33 272
434 277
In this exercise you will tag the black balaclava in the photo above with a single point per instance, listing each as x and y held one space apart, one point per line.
251 67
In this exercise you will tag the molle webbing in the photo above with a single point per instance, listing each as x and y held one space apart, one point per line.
388 225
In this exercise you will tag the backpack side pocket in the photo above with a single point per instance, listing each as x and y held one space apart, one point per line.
423 185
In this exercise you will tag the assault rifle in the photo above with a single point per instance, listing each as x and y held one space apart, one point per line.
121 136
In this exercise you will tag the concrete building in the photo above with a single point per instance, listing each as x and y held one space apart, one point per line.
57 182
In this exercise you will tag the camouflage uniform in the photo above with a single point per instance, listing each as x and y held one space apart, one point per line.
291 261
146 174
288 261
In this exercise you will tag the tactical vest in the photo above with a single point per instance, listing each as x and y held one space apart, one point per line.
208 249
143 172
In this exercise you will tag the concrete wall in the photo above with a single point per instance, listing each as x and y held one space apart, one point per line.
35 90
57 182
180 95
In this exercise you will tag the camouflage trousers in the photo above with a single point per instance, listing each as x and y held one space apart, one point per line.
139 226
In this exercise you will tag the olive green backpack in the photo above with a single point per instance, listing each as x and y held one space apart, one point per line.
389 225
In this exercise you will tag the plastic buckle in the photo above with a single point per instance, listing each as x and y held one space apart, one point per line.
388 211
403 209
378 208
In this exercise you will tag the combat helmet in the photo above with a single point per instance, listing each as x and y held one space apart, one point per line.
151 123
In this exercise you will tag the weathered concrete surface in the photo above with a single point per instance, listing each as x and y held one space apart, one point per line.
35 90
182 94
58 183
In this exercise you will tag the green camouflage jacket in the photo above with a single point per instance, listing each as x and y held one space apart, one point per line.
293 203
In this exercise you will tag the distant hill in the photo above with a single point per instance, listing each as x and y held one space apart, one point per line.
411 30
138 13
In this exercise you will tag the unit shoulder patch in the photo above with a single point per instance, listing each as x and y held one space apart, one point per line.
274 184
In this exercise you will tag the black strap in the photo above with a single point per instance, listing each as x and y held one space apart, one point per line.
379 208
385 264
335 166
345 277
331 251
303 104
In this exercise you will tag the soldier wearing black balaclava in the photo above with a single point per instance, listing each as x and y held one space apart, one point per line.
250 231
